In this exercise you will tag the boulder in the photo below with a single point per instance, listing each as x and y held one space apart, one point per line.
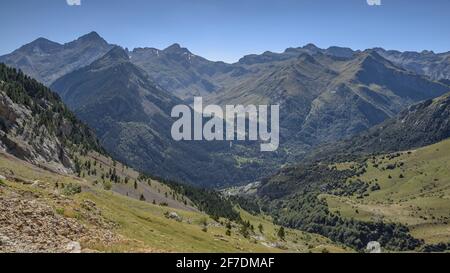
373 247
175 216
73 247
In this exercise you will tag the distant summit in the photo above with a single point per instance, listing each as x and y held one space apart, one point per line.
91 38
176 49
41 45
47 61
112 57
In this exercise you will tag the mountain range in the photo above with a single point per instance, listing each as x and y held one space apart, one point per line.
131 115
46 61
324 95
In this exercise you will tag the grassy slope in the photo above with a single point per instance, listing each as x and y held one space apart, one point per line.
415 193
142 225
152 190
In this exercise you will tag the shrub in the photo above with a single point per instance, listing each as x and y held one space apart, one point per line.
71 189
281 233
107 185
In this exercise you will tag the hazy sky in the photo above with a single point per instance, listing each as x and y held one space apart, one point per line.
228 29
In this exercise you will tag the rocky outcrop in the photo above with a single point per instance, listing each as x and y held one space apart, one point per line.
18 136
28 225
36 126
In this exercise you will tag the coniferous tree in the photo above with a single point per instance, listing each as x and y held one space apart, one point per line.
281 233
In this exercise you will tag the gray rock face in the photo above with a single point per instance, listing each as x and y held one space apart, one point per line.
20 138
36 126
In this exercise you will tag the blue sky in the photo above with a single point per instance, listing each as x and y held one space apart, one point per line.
229 29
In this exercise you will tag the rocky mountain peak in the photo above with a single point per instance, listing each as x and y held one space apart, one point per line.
176 49
341 52
370 58
114 56
92 37
306 58
117 53
312 48
40 44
